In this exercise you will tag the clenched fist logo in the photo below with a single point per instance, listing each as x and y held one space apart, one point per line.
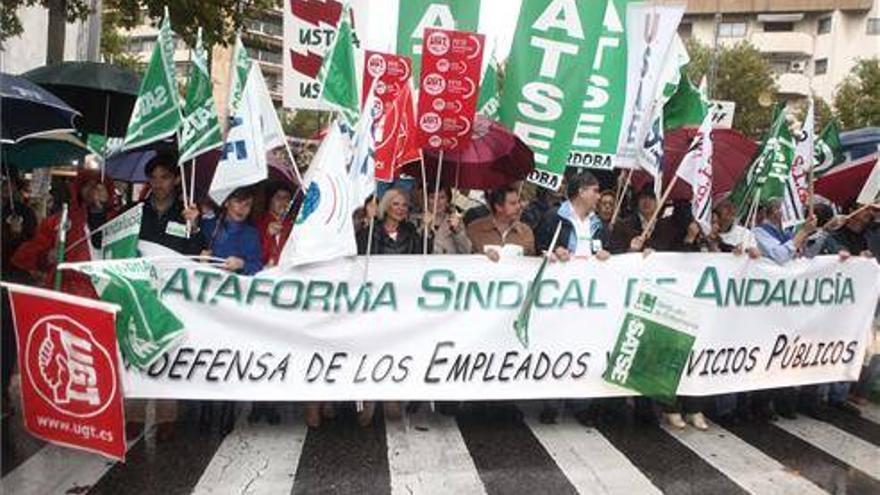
53 365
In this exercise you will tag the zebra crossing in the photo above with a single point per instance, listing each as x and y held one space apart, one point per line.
470 453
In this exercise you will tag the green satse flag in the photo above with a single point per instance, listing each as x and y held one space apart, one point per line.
145 327
828 150
599 129
686 108
774 155
416 15
653 345
121 235
488 101
541 99
201 127
337 75
156 113
241 66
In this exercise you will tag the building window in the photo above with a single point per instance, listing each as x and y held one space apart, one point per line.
732 29
778 27
874 26
821 66
685 29
824 26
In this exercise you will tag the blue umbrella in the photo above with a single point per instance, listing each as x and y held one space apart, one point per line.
29 110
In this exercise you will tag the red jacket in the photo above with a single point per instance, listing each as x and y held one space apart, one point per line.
271 244
33 255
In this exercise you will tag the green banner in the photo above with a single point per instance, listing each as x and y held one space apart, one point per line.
828 150
598 127
156 113
416 15
545 80
201 127
654 343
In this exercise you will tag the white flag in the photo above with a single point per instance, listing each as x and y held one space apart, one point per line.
650 155
870 193
251 135
324 229
696 170
797 183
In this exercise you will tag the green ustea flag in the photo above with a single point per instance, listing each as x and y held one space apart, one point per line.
145 327
655 340
765 177
337 75
201 127
686 107
828 150
241 66
156 113
121 235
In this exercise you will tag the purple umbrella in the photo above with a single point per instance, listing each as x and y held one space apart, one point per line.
494 157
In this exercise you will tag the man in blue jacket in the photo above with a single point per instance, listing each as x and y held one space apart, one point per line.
582 232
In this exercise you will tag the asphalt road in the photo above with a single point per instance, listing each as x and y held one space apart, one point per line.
496 450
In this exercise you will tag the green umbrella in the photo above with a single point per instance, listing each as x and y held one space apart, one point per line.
103 93
47 150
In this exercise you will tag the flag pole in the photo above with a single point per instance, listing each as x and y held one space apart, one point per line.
621 190
437 184
60 248
649 229
425 199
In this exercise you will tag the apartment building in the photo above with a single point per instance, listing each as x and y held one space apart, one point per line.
262 35
811 44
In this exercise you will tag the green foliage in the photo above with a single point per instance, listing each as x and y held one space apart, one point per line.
114 47
744 76
823 112
10 25
219 19
858 97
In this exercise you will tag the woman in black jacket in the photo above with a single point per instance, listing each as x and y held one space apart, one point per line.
392 233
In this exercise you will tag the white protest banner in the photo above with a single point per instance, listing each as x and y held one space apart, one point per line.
441 327
649 32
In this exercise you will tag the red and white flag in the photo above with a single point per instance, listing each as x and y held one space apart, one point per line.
70 387
696 170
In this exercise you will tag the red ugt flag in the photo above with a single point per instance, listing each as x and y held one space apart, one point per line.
67 354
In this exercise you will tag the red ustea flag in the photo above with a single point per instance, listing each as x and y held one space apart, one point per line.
69 362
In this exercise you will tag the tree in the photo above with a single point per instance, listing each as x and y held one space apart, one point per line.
114 45
822 111
219 19
858 97
744 76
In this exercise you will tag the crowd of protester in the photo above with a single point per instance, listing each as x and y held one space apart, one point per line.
246 233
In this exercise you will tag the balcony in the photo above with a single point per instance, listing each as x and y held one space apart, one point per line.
794 84
756 6
791 42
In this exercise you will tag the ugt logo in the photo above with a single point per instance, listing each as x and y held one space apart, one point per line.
68 368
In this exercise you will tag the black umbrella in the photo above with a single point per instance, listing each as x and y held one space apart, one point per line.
103 93
28 110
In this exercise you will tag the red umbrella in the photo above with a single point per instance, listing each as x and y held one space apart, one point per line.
843 184
731 154
494 157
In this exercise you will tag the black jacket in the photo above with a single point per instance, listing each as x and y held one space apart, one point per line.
409 240
154 229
